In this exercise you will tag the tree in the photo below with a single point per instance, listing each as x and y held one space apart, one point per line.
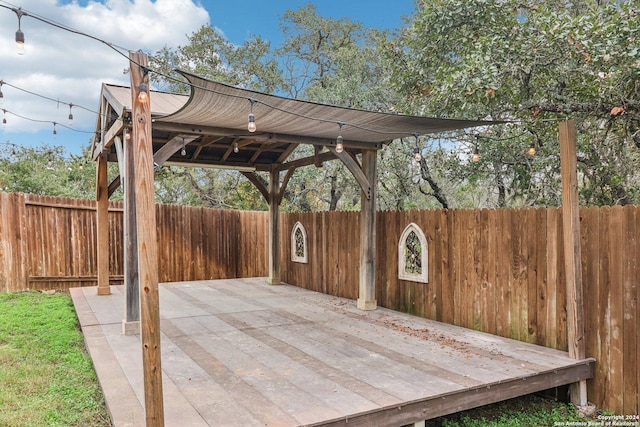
44 170
532 62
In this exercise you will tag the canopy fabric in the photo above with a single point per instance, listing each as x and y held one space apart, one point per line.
216 104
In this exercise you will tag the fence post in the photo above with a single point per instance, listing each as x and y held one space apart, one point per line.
572 253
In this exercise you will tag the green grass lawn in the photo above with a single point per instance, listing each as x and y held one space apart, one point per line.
46 375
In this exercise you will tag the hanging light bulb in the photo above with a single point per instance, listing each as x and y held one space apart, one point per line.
476 154
235 147
19 33
251 125
143 96
55 132
1 94
532 150
416 155
4 118
183 152
70 115
339 140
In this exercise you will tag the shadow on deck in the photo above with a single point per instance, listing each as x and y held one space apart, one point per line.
242 353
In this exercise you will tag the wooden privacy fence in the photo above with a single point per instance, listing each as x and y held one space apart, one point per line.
499 271
50 243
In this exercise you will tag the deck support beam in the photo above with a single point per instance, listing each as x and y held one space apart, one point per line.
367 286
572 253
147 240
102 224
274 226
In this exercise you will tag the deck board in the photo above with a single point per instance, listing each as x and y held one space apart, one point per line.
242 353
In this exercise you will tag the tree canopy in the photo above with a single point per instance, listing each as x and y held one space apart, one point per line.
528 63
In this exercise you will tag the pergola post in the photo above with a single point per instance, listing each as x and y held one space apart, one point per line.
572 253
147 241
274 226
367 289
102 224
131 321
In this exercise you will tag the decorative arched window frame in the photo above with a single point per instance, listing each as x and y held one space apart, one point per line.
295 256
423 276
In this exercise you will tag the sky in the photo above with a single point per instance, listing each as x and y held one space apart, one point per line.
70 69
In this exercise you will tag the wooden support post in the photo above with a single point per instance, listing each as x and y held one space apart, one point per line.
131 321
102 224
147 242
572 253
274 221
367 291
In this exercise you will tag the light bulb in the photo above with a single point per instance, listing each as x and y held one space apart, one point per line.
20 42
251 126
70 115
416 154
143 96
532 150
339 144
235 147
476 157
183 151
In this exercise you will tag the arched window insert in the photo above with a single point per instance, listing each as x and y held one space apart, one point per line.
413 255
299 243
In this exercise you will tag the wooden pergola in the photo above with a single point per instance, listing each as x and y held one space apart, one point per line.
208 128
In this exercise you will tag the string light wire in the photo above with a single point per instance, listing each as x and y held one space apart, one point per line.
120 50
54 123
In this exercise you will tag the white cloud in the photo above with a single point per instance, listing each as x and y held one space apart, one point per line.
70 67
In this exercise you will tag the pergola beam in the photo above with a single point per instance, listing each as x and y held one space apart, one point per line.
258 137
367 285
147 244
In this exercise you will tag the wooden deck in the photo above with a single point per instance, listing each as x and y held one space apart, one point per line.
243 353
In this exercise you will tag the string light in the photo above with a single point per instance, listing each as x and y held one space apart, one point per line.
143 87
417 156
55 132
251 125
236 149
1 94
4 118
183 152
70 115
19 33
5 111
476 151
124 52
339 140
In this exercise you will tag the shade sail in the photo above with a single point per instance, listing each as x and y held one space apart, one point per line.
216 104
